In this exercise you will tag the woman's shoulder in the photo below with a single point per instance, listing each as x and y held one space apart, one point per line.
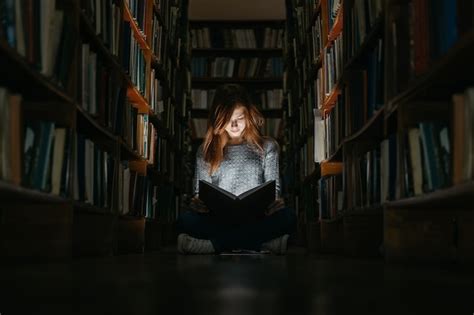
270 144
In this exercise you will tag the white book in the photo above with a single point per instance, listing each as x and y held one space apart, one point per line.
319 136
58 160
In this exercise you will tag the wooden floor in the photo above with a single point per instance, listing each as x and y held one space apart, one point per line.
166 283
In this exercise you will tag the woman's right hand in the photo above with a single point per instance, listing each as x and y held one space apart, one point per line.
198 205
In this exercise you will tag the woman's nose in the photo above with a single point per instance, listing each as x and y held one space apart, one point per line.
234 123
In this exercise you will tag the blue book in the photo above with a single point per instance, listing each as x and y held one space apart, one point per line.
42 159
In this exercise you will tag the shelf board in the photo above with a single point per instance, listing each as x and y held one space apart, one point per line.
371 210
88 208
455 197
130 217
337 155
371 131
89 121
138 34
314 15
331 99
10 192
21 77
267 113
331 168
160 17
337 27
266 52
131 154
138 99
438 80
206 81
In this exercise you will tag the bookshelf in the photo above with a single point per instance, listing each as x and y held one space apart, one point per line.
100 131
389 110
248 53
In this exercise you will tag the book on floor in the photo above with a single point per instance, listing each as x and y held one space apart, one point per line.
245 207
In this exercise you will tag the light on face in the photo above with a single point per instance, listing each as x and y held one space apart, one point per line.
236 125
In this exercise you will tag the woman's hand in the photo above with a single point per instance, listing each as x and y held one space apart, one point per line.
275 206
197 205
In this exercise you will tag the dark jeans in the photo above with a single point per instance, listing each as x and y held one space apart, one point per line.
226 237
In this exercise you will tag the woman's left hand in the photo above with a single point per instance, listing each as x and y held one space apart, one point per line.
275 206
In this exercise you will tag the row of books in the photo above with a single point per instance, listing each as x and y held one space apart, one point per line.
156 98
331 197
207 37
159 44
272 127
363 179
140 10
133 59
43 34
97 83
307 165
226 67
93 171
265 99
202 99
137 195
421 32
359 21
333 7
270 99
333 65
140 196
106 18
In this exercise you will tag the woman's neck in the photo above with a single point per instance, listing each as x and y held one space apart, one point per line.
235 141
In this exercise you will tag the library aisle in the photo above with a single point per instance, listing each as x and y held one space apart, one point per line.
166 283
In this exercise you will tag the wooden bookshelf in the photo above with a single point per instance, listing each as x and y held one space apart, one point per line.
455 197
89 228
19 71
437 81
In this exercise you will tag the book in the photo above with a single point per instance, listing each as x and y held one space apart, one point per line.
245 207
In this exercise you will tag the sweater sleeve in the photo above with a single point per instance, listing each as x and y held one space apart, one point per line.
201 172
271 166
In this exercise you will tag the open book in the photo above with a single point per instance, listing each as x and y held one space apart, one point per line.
245 207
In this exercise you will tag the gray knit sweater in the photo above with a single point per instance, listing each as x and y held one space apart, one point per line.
242 169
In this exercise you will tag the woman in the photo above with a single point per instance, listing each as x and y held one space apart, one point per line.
235 157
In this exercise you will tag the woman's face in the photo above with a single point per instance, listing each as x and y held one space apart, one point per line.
236 125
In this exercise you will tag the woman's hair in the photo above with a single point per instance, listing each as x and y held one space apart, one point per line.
227 98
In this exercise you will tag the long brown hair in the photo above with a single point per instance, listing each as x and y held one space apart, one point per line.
227 98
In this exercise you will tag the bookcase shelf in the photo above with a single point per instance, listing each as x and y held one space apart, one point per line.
85 119
455 197
212 82
238 52
369 41
18 72
438 80
371 131
139 35
10 192
88 208
336 29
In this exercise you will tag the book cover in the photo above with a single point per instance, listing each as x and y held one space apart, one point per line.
247 206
